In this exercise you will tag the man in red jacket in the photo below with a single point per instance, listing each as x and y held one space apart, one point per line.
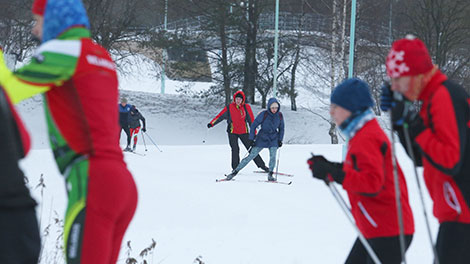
19 232
367 175
440 137
239 118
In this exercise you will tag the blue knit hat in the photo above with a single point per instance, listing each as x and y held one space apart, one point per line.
60 15
353 95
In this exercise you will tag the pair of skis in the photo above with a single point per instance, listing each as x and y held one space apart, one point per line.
133 152
276 181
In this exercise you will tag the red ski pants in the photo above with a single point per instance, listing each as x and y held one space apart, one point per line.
134 132
110 206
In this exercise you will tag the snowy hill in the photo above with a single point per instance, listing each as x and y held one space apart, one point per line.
181 120
188 214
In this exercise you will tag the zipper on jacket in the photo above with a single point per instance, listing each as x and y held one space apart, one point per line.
451 198
366 214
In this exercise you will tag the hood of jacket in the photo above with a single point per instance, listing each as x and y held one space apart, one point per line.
243 95
270 102
61 15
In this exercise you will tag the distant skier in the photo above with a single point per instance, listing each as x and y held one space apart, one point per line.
80 86
440 137
134 124
367 175
124 110
238 114
19 232
270 136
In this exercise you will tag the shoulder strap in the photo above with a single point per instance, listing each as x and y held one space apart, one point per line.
229 118
265 115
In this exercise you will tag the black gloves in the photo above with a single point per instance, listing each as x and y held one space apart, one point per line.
209 125
144 129
386 98
325 170
279 143
403 111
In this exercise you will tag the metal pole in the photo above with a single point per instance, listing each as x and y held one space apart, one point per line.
155 144
278 157
164 55
390 24
351 39
276 40
398 196
409 147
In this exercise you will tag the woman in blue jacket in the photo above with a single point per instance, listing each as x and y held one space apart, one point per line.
270 136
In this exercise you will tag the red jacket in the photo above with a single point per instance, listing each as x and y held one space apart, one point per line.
445 146
237 117
369 182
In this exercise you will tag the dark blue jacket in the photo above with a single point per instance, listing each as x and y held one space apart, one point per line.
272 127
134 118
124 114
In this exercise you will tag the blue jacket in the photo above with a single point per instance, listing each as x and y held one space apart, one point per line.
272 127
124 114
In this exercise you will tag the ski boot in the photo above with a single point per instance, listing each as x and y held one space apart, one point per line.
133 148
127 148
231 175
266 169
270 176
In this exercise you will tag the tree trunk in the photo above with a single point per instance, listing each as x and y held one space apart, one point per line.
224 61
263 100
251 67
292 93
332 133
334 32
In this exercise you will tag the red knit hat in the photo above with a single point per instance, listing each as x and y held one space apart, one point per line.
408 57
38 7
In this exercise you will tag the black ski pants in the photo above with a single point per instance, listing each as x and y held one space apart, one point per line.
387 250
20 242
453 243
233 141
128 133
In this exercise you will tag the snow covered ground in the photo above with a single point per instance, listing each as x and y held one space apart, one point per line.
188 214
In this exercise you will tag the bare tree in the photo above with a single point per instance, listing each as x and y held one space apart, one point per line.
15 29
443 26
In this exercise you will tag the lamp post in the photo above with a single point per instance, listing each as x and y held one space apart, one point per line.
276 40
164 55
351 39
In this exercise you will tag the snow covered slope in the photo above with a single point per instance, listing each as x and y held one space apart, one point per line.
181 120
188 214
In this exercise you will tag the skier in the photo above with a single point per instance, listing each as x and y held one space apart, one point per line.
367 175
124 110
270 136
19 239
238 114
134 124
440 137
80 86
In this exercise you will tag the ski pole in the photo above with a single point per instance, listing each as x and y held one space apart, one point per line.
153 141
205 137
143 138
278 157
412 156
397 196
347 211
